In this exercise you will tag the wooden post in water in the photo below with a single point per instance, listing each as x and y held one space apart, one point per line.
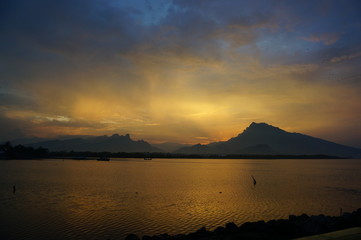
254 181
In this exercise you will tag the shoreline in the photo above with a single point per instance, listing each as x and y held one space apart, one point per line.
147 157
293 227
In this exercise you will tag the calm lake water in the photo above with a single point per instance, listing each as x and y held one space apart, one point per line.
58 199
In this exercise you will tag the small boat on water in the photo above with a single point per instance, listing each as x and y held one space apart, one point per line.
103 159
147 158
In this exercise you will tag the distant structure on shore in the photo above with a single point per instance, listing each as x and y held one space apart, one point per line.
103 158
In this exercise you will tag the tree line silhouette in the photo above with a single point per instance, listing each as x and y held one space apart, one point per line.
22 152
7 151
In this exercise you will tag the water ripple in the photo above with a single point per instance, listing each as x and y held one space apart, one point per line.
88 200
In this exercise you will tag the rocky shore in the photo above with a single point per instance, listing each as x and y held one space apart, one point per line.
293 227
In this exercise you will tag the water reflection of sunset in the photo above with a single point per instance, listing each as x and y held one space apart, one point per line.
92 199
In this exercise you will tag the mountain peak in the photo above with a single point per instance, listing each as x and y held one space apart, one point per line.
116 136
254 124
261 127
262 138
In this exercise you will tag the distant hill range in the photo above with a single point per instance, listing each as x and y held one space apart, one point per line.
264 139
114 143
170 146
257 139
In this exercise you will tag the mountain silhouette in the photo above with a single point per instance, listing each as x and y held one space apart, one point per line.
170 146
262 138
114 143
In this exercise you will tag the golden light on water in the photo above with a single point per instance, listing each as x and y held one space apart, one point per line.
88 199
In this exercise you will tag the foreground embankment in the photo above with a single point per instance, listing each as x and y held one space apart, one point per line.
293 227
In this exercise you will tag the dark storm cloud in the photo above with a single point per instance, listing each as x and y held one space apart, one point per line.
94 27
88 28
41 30
68 26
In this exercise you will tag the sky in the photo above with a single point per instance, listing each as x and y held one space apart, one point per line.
186 71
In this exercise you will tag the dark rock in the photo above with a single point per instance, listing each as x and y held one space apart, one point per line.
293 227
309 228
321 220
349 220
292 217
163 236
247 226
231 227
316 225
281 227
220 230
259 226
358 212
179 237
346 214
200 233
132 237
202 230
160 237
304 216
271 223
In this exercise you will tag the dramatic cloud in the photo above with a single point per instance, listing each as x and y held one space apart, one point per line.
186 71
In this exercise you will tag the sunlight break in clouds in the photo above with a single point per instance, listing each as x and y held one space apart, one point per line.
182 71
